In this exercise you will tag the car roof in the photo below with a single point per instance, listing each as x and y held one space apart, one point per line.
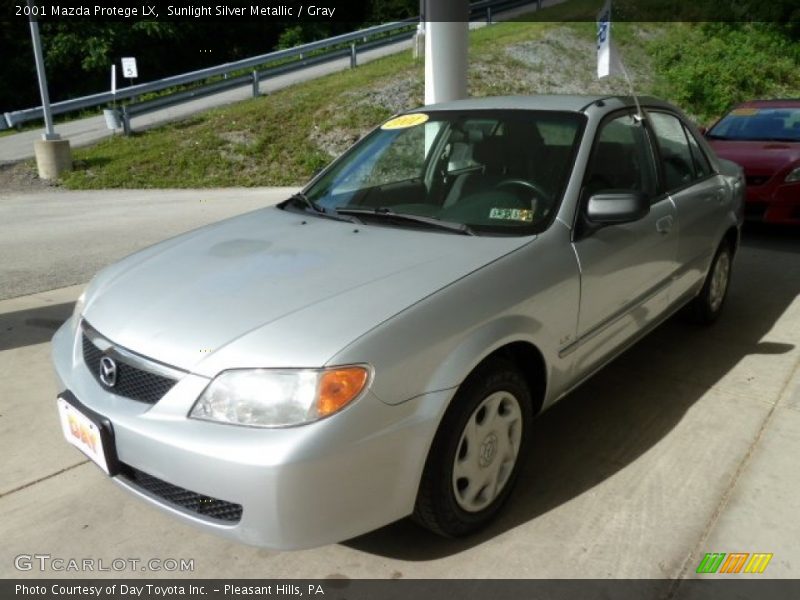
572 103
778 103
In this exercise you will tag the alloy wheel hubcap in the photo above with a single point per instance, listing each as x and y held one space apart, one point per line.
487 451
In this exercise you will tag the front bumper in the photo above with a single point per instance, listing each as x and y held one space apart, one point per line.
298 487
774 203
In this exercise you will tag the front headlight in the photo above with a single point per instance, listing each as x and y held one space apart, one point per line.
279 397
794 175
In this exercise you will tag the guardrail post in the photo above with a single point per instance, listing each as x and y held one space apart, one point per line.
353 59
126 121
256 91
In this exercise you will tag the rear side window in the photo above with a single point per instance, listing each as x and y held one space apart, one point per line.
676 157
701 165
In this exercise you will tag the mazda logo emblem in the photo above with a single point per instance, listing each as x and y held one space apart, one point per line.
108 371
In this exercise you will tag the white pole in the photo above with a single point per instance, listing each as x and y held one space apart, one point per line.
446 39
113 79
50 133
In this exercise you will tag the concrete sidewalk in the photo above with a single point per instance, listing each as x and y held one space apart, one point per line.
687 444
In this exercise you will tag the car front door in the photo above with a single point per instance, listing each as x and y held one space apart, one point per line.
625 269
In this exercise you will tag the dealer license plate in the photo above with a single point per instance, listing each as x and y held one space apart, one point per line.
82 432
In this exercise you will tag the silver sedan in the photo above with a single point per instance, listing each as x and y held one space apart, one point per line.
377 345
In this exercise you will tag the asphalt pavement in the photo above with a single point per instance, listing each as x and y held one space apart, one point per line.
685 445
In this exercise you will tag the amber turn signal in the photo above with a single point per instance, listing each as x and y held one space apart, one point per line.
337 387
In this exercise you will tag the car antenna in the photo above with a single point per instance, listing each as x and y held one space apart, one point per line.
639 116
609 61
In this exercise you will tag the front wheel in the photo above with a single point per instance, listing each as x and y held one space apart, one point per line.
707 306
476 454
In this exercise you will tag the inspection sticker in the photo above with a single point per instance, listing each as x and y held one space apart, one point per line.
404 121
511 214
744 112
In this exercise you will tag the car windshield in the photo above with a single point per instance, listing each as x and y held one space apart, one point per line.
765 124
479 172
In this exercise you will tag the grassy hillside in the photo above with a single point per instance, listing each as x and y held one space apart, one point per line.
282 138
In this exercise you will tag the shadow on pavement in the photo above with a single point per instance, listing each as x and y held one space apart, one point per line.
32 326
605 425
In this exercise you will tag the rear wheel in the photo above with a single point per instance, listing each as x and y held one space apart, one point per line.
476 454
707 306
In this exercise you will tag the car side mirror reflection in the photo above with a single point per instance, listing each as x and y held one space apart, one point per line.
615 207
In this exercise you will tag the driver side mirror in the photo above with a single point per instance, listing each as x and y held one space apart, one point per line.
616 207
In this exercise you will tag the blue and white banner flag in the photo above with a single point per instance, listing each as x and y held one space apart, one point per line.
607 60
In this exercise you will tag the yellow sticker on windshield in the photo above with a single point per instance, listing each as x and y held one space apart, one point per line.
744 112
511 214
404 121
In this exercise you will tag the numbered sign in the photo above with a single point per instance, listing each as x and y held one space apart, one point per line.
129 70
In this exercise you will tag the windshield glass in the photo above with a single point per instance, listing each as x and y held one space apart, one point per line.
776 124
496 172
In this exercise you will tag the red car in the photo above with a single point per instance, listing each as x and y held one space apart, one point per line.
763 136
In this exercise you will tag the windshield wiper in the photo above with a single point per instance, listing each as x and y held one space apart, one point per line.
389 215
301 198
307 203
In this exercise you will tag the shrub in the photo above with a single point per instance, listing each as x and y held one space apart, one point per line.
707 67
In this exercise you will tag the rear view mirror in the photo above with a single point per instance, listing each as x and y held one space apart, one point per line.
612 207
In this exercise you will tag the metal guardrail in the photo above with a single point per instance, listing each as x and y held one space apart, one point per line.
139 108
297 57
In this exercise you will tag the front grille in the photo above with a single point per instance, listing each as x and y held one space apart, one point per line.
179 497
754 180
132 382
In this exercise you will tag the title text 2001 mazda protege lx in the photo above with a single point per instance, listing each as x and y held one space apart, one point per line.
377 345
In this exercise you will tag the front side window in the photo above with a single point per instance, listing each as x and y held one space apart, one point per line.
621 159
497 172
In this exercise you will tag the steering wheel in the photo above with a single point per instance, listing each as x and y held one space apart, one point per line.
529 185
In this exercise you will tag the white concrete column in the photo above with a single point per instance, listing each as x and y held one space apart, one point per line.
446 42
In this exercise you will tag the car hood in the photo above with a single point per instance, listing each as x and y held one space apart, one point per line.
274 289
758 158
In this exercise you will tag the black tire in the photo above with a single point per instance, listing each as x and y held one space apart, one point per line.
496 400
707 306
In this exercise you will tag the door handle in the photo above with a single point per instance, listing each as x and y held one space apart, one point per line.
718 195
664 225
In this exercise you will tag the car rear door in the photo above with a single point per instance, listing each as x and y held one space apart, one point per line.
625 269
700 196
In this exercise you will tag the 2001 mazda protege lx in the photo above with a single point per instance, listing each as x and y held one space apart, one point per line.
377 345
